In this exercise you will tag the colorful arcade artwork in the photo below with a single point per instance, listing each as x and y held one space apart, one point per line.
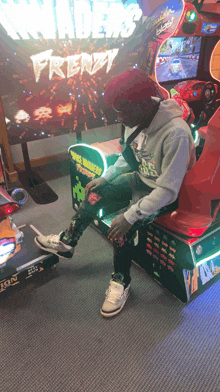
86 163
199 276
158 27
55 61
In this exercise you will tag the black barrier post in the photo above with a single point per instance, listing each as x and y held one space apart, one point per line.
78 137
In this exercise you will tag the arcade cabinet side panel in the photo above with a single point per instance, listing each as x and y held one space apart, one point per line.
164 256
29 260
202 276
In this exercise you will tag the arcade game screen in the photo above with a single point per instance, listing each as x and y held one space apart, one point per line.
178 59
56 57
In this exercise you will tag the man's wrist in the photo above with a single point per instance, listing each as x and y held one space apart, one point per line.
129 216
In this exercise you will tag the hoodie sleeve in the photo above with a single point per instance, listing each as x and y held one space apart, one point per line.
120 167
173 169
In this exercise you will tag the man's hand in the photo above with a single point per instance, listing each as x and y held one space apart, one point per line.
118 228
94 185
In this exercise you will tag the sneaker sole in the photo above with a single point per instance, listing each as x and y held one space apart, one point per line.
66 255
116 311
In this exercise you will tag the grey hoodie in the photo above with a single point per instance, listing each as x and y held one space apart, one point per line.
165 151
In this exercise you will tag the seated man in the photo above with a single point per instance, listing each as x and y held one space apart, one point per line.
163 151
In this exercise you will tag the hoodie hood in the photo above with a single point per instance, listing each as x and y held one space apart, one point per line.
168 110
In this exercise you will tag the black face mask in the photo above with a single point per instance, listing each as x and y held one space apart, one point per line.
126 149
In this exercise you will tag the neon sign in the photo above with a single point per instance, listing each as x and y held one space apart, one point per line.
84 62
75 18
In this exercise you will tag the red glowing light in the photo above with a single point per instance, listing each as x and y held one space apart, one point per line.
8 209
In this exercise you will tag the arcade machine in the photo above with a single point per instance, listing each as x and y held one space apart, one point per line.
55 60
19 257
181 250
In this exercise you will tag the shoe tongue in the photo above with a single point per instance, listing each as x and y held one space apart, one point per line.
117 286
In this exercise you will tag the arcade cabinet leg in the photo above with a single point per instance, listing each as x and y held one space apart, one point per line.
38 189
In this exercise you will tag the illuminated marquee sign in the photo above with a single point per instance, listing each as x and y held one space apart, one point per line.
56 58
83 62
75 18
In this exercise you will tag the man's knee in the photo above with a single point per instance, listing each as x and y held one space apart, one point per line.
93 198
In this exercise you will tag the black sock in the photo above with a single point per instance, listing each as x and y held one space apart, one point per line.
118 277
65 237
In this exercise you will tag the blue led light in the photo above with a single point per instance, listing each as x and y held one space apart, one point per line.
195 94
19 195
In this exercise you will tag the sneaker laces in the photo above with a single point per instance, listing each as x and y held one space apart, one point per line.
113 295
54 238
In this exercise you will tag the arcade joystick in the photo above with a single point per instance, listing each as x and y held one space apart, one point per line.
202 118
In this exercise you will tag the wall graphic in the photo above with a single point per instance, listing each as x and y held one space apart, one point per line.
56 57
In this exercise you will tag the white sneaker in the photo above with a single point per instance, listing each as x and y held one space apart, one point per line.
116 296
53 244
